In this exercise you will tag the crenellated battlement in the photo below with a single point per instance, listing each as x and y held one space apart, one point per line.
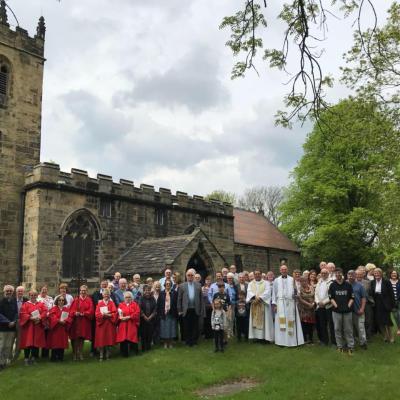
19 38
49 175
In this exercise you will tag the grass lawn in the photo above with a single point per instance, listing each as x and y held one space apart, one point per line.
311 372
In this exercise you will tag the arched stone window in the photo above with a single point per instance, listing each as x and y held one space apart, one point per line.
4 81
80 236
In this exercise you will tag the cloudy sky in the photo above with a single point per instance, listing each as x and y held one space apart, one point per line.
141 90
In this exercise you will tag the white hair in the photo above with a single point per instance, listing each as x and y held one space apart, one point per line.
8 287
230 275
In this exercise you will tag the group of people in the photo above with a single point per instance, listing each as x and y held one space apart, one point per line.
284 310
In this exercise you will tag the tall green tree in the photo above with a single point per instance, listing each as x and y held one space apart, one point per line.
373 65
340 205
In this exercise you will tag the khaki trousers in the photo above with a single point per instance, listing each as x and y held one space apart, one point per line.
6 346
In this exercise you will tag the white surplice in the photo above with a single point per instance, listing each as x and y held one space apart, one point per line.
288 331
265 330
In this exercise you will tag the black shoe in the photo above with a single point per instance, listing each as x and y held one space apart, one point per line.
222 350
364 346
216 351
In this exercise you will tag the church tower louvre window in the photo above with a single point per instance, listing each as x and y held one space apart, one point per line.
4 82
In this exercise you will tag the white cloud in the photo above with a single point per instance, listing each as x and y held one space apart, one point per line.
141 90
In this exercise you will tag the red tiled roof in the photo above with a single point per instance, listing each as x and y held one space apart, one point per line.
254 229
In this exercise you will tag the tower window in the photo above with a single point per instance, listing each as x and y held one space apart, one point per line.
3 84
160 216
105 208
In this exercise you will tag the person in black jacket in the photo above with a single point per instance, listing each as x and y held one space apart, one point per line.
382 293
342 299
8 322
148 313
167 313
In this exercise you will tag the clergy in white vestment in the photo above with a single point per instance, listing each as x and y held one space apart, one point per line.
259 295
288 331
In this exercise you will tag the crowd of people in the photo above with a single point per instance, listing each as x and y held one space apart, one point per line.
285 310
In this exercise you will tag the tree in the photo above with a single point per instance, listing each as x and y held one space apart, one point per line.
306 27
264 199
339 206
222 195
373 65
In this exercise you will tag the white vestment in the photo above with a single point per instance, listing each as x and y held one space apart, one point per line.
288 331
263 326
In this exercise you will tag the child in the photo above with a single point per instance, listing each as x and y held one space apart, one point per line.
218 324
223 296
242 318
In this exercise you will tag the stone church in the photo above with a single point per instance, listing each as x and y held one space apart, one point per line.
56 226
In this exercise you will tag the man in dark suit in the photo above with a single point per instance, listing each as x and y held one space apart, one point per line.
190 306
242 284
382 293
8 322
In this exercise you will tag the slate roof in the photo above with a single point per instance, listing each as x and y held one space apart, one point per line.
255 230
149 256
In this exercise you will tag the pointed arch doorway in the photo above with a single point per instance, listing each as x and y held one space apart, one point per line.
201 262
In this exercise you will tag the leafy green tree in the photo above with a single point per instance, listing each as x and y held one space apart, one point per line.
306 26
222 195
341 205
373 65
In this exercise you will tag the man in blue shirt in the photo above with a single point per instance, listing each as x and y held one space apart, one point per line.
360 300
214 287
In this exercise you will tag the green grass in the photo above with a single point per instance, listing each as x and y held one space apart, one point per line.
309 373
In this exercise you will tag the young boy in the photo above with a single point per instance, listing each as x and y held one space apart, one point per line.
218 324
223 296
242 318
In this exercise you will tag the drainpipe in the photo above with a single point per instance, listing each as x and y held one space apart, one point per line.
21 236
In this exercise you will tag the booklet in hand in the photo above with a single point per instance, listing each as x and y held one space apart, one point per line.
104 310
64 315
35 314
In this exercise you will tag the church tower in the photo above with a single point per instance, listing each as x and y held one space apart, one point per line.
21 80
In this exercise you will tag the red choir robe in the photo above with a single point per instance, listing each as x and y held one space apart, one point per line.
128 330
81 326
57 337
105 326
32 335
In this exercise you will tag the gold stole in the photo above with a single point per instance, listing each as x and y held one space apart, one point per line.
257 309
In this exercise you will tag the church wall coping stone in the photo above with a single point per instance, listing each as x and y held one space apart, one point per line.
48 175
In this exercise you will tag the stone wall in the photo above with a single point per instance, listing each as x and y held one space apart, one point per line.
20 119
265 259
56 195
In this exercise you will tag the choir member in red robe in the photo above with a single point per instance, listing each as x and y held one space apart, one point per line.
59 322
106 319
32 320
129 318
82 312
